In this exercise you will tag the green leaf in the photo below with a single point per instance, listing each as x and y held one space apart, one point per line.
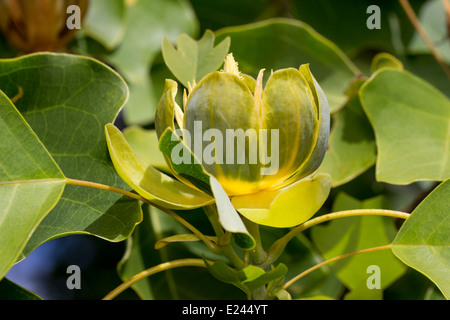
229 218
411 120
351 148
290 43
147 23
105 22
67 100
11 291
192 60
351 234
145 144
31 183
150 183
280 208
423 241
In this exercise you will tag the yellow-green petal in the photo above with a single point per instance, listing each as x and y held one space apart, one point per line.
289 106
287 207
148 182
223 102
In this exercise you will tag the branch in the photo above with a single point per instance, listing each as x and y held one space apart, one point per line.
317 266
278 247
201 236
146 273
415 22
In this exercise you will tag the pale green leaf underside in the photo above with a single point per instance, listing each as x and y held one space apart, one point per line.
30 183
423 242
411 120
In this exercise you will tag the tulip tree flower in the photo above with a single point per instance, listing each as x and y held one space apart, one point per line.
245 147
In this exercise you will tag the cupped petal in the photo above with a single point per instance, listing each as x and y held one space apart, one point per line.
223 123
287 207
288 106
322 133
323 113
148 182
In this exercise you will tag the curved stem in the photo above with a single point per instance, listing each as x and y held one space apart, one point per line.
415 22
194 230
317 266
278 247
146 273
95 185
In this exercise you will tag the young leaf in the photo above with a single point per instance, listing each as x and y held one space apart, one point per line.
192 60
31 183
423 241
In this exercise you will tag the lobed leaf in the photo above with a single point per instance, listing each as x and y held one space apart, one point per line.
411 120
192 60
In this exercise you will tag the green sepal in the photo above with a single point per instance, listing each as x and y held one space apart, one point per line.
148 182
191 171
